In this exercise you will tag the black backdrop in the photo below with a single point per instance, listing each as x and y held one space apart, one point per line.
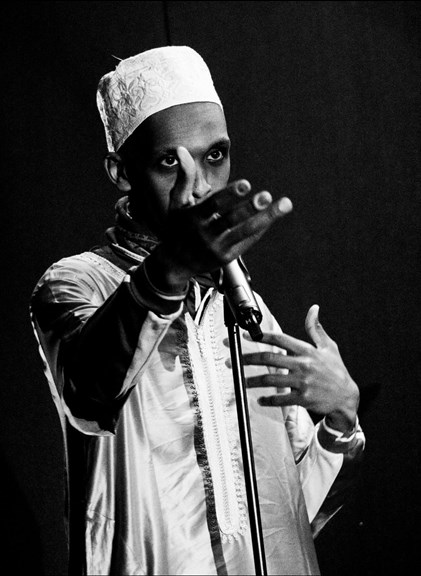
322 100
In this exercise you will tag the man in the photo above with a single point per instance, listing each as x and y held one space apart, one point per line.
133 333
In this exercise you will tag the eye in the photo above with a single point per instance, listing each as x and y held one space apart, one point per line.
215 156
169 161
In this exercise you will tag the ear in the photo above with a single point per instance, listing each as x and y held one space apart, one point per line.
116 171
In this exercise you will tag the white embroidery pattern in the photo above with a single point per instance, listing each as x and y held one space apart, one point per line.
147 83
220 430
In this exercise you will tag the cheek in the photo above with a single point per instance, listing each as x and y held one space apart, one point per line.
219 177
159 188
150 197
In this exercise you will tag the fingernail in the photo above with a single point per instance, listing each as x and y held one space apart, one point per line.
185 156
284 205
181 151
242 187
262 200
262 401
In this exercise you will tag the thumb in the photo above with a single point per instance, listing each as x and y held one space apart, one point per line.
182 193
314 329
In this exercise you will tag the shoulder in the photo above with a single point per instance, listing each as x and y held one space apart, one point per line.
82 274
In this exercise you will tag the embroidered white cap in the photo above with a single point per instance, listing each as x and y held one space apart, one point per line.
147 83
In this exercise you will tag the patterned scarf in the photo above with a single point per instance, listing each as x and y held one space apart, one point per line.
136 238
128 233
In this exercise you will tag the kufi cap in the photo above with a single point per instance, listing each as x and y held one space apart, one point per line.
147 83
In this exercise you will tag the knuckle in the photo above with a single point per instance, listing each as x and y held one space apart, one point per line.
306 365
305 382
334 344
267 357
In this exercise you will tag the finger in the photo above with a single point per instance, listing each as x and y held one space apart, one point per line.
240 212
314 329
253 228
280 399
182 193
272 381
274 359
222 200
297 347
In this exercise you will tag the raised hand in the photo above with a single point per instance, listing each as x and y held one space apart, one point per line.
204 234
317 378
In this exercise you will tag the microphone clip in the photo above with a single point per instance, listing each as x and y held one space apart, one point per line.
233 281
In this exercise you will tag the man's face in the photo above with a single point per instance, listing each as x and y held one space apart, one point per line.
153 166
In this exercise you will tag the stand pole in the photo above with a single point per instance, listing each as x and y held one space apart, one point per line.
246 442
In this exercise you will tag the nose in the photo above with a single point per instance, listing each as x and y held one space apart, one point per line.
201 186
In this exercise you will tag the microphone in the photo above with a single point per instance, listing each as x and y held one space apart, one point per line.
234 281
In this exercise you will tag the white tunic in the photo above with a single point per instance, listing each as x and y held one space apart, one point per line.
161 491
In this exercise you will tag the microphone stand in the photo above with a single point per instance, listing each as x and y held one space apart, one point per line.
249 318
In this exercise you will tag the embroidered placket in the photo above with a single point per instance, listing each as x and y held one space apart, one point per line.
221 437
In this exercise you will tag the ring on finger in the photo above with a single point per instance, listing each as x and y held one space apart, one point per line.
214 217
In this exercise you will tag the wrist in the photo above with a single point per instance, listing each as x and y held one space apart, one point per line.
343 423
164 275
343 419
335 441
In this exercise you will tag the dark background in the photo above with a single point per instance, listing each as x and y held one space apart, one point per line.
322 100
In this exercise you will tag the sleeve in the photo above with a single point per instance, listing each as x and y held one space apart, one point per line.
328 462
96 332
